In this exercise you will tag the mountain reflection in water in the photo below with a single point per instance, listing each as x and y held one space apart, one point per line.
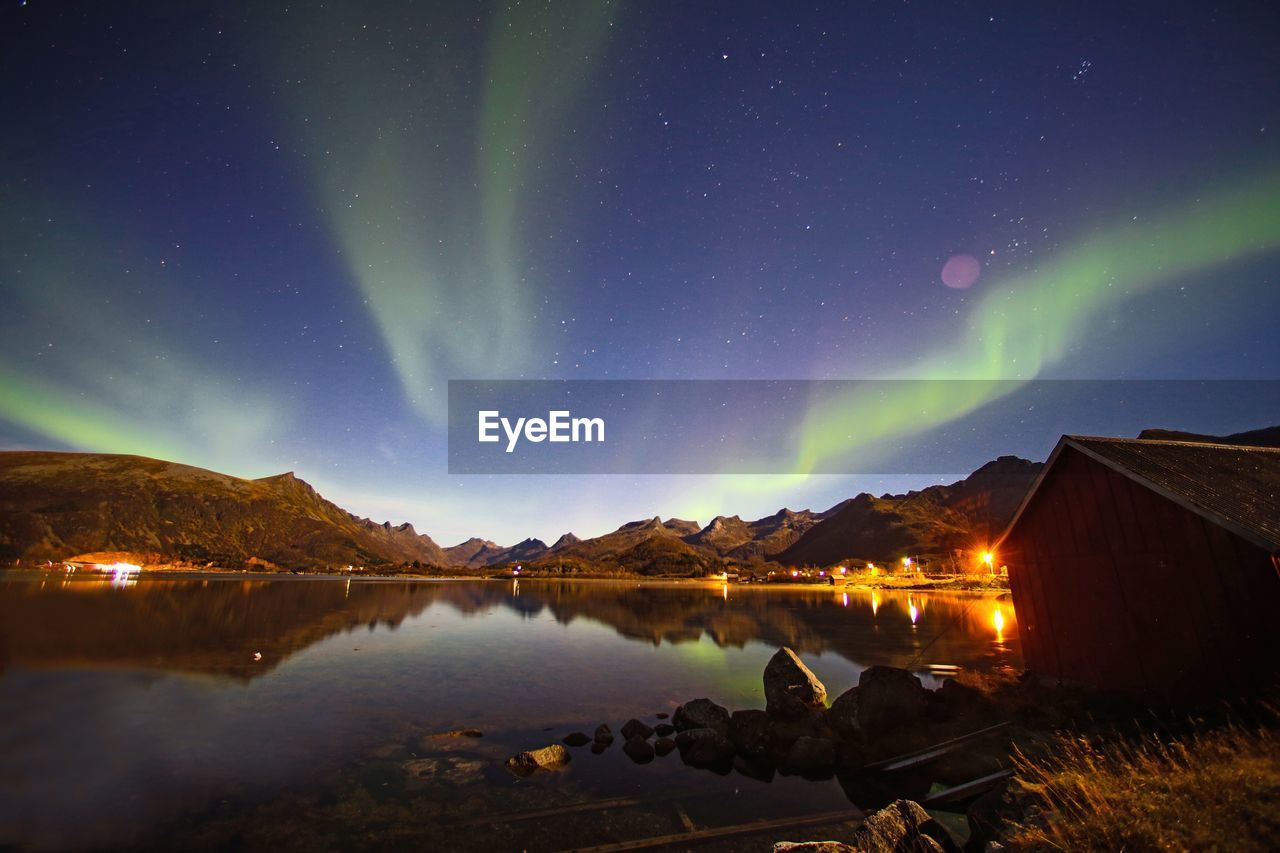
129 707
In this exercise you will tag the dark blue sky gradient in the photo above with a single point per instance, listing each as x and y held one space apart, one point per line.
698 190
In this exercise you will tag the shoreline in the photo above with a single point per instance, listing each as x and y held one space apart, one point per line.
978 585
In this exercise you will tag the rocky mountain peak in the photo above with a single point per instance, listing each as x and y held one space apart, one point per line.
565 541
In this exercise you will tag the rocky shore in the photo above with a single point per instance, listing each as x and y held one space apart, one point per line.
801 731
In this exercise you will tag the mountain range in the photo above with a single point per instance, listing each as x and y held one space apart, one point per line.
54 506
57 505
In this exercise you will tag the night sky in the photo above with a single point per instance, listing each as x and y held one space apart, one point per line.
260 237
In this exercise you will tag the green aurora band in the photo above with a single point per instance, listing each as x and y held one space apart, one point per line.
113 376
1023 325
425 200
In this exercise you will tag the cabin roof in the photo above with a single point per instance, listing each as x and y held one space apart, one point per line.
1234 486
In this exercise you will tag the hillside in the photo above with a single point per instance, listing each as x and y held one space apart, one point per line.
478 553
1265 437
931 522
474 552
762 539
649 546
56 505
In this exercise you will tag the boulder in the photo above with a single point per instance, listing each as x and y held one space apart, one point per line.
663 745
704 747
810 755
702 714
843 715
785 732
603 735
751 733
634 728
547 758
790 689
886 698
664 729
903 826
638 750
959 698
576 739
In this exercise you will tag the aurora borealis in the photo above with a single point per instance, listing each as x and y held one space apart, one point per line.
262 237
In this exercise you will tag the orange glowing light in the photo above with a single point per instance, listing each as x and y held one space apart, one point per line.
123 574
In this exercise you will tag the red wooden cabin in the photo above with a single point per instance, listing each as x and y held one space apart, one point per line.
1151 567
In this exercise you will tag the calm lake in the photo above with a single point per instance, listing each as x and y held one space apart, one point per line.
230 711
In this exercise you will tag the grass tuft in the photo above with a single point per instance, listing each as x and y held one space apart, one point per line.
1216 790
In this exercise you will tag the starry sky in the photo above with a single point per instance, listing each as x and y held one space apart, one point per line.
264 236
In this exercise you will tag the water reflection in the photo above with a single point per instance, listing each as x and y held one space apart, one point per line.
216 626
208 688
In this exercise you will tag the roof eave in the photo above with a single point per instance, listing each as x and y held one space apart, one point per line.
1076 443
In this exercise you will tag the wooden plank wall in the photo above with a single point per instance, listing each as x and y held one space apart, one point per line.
1119 587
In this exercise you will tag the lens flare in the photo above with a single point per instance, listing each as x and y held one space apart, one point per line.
960 272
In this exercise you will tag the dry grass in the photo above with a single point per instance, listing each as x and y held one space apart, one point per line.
1218 790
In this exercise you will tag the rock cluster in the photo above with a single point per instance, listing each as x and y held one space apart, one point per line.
796 733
